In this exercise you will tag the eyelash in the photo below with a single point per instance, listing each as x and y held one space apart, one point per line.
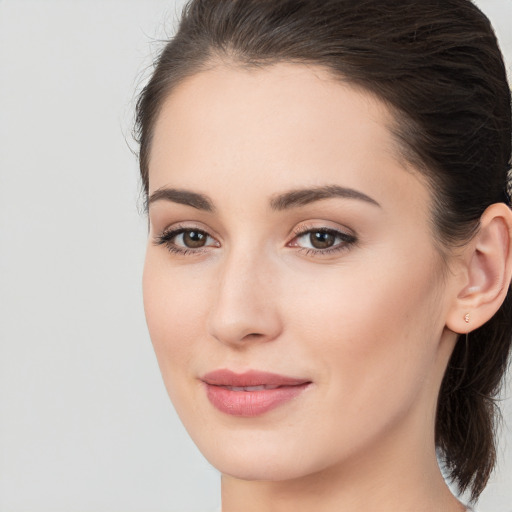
346 240
165 238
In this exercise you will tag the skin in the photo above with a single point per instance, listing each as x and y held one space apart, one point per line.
367 324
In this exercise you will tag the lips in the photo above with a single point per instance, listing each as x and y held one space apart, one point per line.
251 393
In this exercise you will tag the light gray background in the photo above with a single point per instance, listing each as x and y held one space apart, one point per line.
85 423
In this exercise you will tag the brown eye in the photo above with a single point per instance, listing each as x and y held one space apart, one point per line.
193 239
321 239
186 240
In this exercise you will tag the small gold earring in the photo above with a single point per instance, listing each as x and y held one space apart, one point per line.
466 318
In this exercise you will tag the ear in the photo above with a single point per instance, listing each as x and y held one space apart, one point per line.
486 273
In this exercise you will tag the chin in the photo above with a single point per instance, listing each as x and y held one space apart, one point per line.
273 469
255 457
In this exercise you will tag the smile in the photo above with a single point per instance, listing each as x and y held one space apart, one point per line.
249 388
252 393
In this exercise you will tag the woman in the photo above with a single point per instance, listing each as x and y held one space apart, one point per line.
327 280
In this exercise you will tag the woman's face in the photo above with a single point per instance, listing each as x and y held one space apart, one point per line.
293 293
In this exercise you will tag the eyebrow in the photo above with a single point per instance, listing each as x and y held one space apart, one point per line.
304 196
287 200
193 199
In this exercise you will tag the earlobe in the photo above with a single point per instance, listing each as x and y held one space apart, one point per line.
488 271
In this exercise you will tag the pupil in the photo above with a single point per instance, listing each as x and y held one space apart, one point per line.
194 239
321 239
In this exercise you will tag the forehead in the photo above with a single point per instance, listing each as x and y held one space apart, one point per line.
283 124
280 94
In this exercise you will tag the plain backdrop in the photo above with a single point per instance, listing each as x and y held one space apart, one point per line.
85 423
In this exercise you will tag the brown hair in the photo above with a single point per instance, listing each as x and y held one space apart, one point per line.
437 66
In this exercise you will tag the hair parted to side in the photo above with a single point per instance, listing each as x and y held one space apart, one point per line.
437 66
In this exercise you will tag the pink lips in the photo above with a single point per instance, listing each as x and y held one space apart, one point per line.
251 393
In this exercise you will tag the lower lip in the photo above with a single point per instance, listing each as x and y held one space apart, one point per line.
251 403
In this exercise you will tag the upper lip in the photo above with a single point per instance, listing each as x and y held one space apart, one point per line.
224 377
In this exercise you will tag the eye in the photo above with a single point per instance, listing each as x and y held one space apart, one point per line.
191 238
186 240
322 240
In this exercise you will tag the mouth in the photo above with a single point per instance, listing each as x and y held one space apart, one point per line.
249 388
251 393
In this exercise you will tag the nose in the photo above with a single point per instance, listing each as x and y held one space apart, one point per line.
245 302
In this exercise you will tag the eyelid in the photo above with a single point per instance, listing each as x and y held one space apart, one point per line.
186 226
306 227
165 236
347 236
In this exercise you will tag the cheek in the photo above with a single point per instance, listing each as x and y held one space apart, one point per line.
174 304
375 331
